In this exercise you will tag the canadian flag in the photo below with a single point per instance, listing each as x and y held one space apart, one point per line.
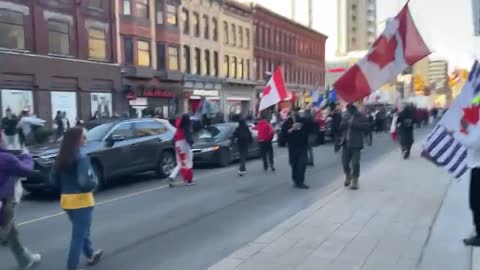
399 46
274 91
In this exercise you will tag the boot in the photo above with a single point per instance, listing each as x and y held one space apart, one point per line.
355 184
348 180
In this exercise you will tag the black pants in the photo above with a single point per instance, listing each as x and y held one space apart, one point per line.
298 161
406 148
351 161
266 150
243 151
474 198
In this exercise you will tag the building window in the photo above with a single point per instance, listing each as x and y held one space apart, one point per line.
207 63
226 66
240 37
171 14
142 8
128 50
127 7
143 53
247 69
214 29
97 4
233 67
186 60
173 59
186 21
215 64
198 61
161 56
159 9
247 38
240 69
225 32
234 35
206 30
196 24
12 30
59 37
97 44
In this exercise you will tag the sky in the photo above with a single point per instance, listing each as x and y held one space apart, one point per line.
446 25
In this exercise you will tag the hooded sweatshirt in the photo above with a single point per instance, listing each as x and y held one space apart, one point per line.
265 131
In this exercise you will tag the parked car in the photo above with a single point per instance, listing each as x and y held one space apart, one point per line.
213 145
116 148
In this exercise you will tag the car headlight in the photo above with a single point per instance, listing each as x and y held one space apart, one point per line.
48 158
210 149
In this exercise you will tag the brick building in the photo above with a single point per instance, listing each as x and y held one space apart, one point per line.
149 53
60 56
299 50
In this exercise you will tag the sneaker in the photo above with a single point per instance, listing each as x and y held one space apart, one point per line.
303 186
473 241
355 185
273 169
171 182
240 173
35 259
97 256
348 181
190 183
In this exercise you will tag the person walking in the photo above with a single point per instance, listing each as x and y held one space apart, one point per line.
297 139
265 138
9 127
59 124
406 125
243 138
13 164
353 127
73 174
183 150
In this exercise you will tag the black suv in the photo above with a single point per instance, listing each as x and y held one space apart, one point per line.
116 148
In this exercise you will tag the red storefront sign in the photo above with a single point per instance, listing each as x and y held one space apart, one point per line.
158 93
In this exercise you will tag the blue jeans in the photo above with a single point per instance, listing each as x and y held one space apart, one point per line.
81 220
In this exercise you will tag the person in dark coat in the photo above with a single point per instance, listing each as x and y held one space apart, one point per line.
406 123
353 127
243 138
297 139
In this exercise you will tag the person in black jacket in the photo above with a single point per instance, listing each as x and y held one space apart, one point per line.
406 123
243 137
297 139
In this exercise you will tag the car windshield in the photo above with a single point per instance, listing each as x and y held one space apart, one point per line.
98 132
211 133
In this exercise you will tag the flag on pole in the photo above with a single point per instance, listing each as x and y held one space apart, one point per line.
316 97
274 91
398 47
446 146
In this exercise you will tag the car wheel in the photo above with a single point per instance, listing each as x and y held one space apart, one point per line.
225 157
98 169
166 164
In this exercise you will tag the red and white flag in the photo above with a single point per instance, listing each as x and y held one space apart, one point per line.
274 91
398 47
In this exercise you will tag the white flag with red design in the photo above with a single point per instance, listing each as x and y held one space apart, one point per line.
399 46
274 91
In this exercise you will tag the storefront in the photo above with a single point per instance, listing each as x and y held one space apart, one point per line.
238 99
194 98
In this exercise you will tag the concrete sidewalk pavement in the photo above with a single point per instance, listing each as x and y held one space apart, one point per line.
384 225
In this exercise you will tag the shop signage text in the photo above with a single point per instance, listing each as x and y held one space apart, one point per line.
205 93
158 93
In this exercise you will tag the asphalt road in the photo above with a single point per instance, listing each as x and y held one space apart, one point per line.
142 224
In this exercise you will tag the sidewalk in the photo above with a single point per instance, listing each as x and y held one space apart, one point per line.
384 225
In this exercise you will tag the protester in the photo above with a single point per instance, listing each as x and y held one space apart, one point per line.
265 138
73 174
12 166
9 126
353 126
336 118
297 139
243 138
60 125
183 148
406 124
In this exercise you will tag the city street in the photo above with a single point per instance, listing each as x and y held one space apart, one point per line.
142 224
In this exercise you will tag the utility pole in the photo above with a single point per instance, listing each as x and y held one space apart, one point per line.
293 2
310 13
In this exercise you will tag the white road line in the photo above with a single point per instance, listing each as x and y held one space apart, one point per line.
127 196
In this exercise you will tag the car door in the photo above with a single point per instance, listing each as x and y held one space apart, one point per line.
253 148
148 136
115 158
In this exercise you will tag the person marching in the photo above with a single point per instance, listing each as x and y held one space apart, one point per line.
9 126
265 138
183 149
243 138
353 126
13 166
406 124
297 139
73 174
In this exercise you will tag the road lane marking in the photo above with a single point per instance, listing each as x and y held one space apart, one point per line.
232 168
